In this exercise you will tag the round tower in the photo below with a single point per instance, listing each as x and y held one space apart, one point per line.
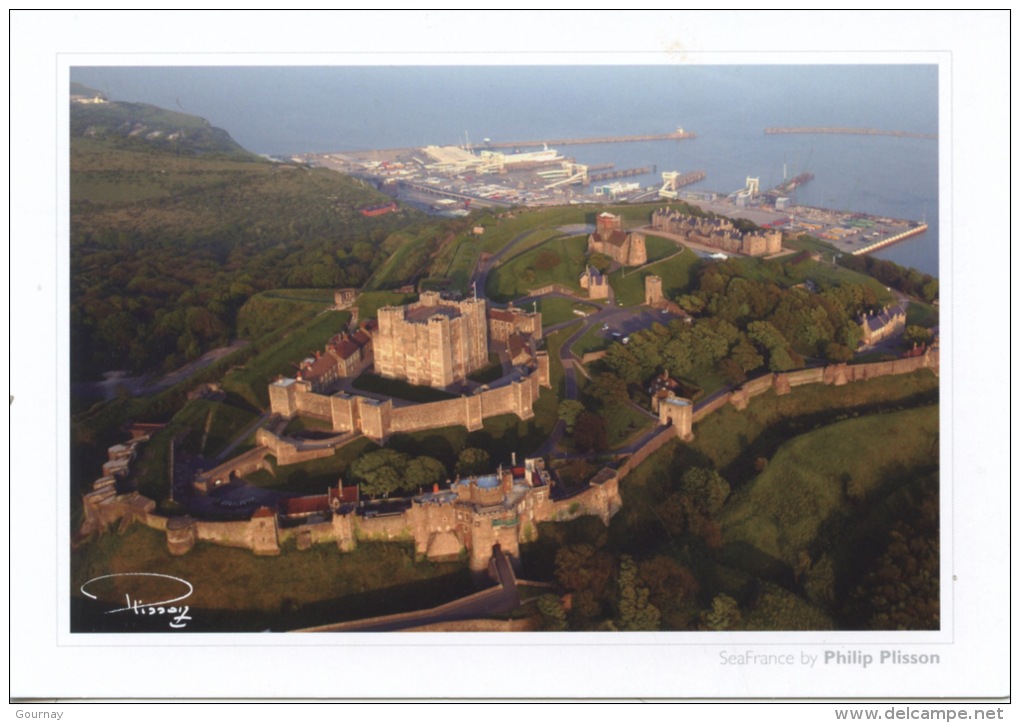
180 535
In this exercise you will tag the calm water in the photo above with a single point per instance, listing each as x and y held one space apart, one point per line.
275 110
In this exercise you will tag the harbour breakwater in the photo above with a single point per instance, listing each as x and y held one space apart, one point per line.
677 135
849 131
917 230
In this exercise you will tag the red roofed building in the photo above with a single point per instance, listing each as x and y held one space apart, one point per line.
504 322
346 355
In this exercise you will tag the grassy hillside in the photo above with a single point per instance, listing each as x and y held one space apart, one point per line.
166 248
557 261
816 475
251 381
677 273
143 126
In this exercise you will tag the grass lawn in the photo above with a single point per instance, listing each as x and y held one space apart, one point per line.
505 230
212 425
310 296
235 590
220 424
369 302
593 340
489 373
677 275
307 424
409 257
728 436
706 379
459 271
657 247
822 273
623 423
804 242
553 343
251 381
769 520
557 261
557 309
920 314
400 389
274 312
782 510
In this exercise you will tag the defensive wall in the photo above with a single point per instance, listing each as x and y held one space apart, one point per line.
440 528
288 450
834 374
242 464
378 419
556 289
645 451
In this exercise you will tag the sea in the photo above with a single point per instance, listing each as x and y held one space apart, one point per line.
290 110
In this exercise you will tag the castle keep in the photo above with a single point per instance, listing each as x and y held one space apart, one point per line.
434 342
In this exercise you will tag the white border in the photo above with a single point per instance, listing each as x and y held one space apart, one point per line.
972 53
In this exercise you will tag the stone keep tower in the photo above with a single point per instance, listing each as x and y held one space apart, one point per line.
606 223
434 342
653 290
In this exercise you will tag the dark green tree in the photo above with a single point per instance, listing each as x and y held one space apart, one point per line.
568 411
609 389
723 615
706 487
473 461
590 432
914 334
554 617
380 472
635 611
422 473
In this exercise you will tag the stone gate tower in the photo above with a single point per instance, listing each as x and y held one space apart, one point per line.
653 290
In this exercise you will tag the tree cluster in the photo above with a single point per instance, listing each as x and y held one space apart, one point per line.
745 325
387 471
901 589
910 281
157 278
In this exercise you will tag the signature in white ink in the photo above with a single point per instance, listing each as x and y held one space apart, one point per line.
179 616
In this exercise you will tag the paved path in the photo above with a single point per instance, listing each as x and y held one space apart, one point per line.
145 386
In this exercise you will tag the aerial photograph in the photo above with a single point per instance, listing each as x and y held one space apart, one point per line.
504 348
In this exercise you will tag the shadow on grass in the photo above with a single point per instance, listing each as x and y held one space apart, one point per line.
742 468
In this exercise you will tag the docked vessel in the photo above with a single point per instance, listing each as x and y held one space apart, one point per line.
796 181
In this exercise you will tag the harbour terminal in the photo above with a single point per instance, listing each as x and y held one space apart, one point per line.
452 180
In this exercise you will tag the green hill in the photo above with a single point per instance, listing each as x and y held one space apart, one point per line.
141 126
169 238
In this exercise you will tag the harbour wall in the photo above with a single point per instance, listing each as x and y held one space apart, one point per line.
917 230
